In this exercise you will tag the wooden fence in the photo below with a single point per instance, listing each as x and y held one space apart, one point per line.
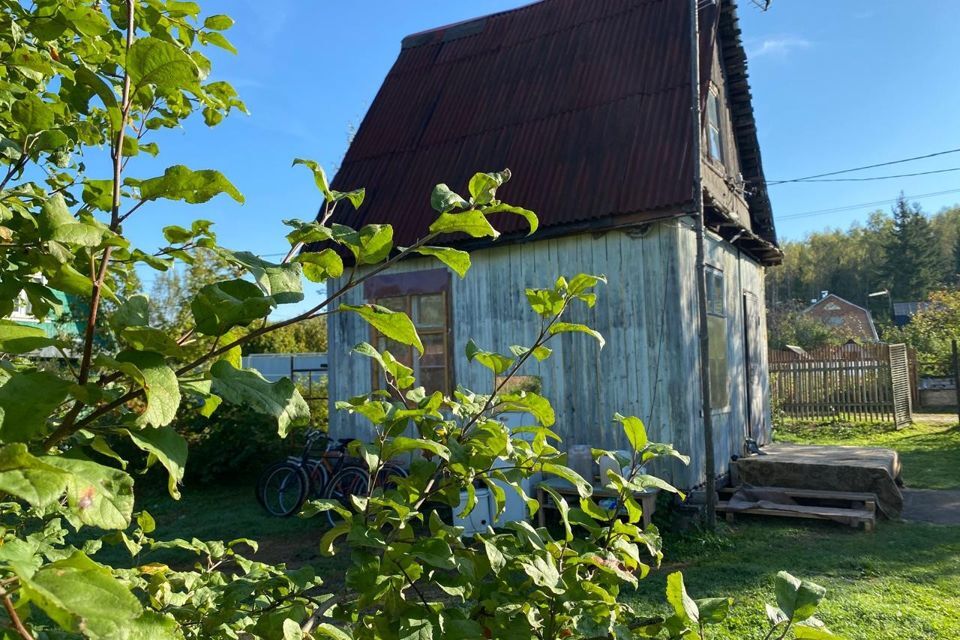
870 383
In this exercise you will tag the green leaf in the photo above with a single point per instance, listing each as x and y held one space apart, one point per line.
280 400
786 587
29 478
532 403
26 400
636 432
79 234
160 384
563 508
18 338
54 214
319 177
541 353
82 597
282 282
569 327
86 77
496 362
457 260
483 186
714 610
376 242
98 194
87 21
320 267
218 40
545 302
33 114
395 325
307 232
175 234
97 495
150 339
151 61
584 488
220 306
401 374
684 606
182 183
472 223
169 448
526 214
133 312
443 199
327 630
218 22
401 445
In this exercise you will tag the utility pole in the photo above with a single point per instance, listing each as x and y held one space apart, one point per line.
698 222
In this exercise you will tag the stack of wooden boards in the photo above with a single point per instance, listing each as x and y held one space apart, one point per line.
848 507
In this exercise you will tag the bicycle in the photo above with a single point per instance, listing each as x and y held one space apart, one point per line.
283 487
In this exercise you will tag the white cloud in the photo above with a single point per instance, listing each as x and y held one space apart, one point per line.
779 47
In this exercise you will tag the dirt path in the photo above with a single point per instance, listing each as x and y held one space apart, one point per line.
936 506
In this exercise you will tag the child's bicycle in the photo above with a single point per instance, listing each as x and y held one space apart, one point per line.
284 487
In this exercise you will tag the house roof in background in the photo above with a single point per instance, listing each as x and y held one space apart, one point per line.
586 102
854 321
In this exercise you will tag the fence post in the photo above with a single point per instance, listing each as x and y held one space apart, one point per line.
956 377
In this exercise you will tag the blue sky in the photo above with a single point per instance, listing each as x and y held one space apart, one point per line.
835 84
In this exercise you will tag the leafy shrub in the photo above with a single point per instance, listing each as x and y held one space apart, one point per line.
81 74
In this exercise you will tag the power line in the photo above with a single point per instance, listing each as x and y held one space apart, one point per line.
851 207
900 175
869 166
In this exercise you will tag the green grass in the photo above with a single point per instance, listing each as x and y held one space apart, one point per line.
901 582
929 452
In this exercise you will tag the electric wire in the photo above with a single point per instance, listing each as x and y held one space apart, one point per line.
869 166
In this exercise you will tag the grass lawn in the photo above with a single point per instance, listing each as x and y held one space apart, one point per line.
900 582
929 451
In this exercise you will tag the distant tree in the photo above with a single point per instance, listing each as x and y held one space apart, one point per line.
173 289
304 337
912 265
931 330
788 325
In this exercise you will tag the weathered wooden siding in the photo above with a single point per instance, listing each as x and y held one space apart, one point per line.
741 275
646 312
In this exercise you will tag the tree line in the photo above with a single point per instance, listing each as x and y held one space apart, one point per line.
907 252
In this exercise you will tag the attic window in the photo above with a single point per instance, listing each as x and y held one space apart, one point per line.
425 297
714 136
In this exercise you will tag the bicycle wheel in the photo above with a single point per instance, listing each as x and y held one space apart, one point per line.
282 489
389 474
349 481
319 476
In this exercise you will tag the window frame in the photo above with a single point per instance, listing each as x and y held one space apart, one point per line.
717 313
715 125
409 285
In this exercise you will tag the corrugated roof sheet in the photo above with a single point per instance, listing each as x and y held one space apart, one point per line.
586 102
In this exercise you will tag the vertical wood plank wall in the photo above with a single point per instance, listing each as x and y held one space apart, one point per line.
647 313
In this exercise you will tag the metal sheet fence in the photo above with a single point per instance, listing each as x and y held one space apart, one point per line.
869 383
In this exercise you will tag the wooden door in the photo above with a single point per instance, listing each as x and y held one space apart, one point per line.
753 349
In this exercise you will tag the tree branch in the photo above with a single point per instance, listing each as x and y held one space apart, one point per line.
14 616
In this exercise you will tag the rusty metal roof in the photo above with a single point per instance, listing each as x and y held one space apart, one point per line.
587 103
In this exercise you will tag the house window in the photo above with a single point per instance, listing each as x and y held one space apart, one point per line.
714 136
717 331
425 297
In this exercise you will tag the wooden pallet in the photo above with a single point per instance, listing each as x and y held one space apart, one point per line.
861 507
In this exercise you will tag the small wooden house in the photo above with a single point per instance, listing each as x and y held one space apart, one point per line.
588 104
